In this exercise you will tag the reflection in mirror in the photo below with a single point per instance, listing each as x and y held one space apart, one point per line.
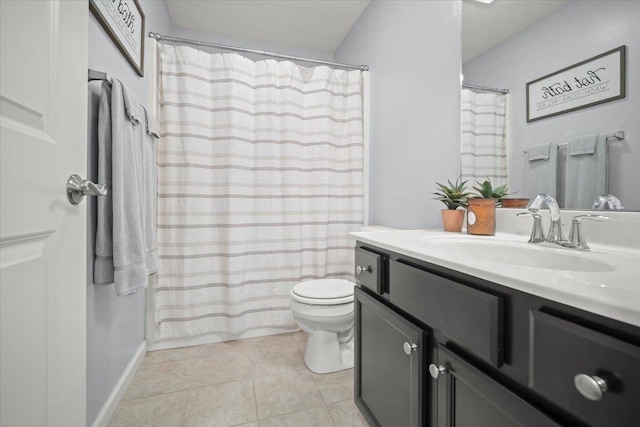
484 124
573 155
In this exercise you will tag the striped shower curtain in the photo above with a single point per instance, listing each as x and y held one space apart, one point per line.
260 180
484 137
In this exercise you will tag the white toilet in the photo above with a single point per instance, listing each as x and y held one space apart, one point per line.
324 309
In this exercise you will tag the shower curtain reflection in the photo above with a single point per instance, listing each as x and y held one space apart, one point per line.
260 180
484 137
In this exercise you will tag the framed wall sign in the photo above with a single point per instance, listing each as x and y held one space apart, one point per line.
590 82
124 21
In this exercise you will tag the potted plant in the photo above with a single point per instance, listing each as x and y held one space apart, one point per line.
453 196
486 191
481 210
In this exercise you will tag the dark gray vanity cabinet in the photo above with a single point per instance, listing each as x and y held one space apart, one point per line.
371 270
390 365
469 398
563 352
472 318
479 354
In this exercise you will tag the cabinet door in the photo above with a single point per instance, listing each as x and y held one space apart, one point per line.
469 398
390 357
562 352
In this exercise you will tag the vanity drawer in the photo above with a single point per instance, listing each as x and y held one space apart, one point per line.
471 318
561 350
369 270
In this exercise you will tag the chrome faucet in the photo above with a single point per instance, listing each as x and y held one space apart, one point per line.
608 202
555 227
576 238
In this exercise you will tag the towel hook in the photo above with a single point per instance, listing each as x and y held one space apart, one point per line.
77 188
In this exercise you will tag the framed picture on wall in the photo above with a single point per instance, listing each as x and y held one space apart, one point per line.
123 20
593 81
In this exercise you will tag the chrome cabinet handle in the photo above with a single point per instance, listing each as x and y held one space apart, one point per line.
436 371
77 188
409 348
367 269
590 386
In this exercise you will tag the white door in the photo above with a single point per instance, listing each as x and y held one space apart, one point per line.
43 102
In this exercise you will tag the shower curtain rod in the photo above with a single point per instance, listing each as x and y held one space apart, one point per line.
488 89
160 38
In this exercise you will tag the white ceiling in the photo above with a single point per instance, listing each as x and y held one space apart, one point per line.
323 24
487 25
312 24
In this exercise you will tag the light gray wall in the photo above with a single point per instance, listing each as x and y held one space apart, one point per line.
413 49
252 44
115 325
573 33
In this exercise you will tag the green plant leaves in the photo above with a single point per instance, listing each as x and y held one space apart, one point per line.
486 190
452 195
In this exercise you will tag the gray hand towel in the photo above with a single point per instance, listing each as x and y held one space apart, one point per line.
586 176
103 265
539 152
583 145
128 218
541 170
149 140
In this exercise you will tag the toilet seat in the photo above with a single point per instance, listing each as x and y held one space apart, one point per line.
323 292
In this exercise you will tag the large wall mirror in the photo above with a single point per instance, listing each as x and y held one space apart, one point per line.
508 43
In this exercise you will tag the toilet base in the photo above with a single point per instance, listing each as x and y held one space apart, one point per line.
329 352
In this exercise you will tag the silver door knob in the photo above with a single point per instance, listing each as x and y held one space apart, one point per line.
409 348
436 371
77 188
360 270
590 386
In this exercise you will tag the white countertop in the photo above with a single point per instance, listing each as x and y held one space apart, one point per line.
614 294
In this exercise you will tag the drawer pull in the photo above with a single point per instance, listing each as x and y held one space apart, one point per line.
367 269
590 386
409 348
436 371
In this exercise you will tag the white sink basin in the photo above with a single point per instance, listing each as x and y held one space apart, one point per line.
520 254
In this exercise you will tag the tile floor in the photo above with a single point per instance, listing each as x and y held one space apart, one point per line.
254 382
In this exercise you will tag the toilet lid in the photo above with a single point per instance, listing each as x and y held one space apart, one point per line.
324 289
323 292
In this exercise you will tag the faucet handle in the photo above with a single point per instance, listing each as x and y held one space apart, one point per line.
537 233
578 219
575 236
533 214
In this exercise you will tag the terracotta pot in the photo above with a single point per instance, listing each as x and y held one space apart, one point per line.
481 217
452 220
514 203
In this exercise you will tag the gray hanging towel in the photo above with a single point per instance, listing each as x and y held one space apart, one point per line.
126 249
586 176
149 143
103 264
541 170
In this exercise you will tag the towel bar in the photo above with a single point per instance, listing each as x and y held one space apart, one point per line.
618 135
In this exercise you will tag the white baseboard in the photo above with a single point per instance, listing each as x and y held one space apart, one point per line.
103 418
